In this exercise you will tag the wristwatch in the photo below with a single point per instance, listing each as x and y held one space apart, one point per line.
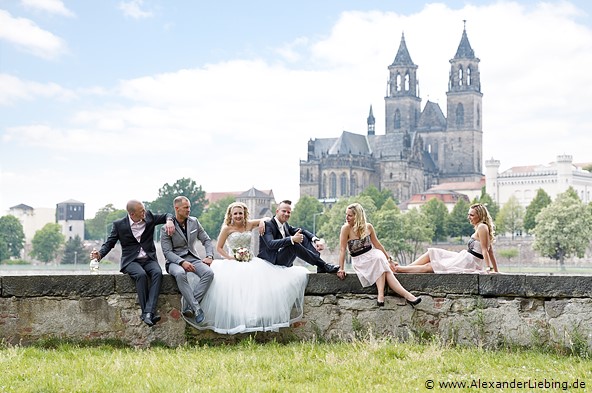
210 256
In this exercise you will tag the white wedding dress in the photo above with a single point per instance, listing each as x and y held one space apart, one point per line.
252 296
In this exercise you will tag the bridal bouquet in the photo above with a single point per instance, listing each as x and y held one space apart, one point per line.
242 254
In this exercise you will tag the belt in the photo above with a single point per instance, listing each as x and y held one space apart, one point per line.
360 252
475 253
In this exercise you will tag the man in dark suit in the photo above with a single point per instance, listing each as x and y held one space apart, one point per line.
135 232
282 243
182 259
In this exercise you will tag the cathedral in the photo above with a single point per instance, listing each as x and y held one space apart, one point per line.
419 148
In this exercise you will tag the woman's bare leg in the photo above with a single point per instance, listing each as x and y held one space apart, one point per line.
427 268
422 260
396 286
380 287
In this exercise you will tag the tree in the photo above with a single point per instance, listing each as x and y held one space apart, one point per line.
458 224
74 252
564 228
486 200
99 227
307 213
511 217
12 237
418 231
437 213
333 219
47 242
213 218
540 201
167 194
379 197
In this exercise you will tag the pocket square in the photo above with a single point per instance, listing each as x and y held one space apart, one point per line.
193 231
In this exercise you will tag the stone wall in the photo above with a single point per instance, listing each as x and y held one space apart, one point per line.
488 310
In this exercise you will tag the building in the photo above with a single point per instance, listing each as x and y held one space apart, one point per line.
70 216
32 219
523 182
260 203
449 198
418 150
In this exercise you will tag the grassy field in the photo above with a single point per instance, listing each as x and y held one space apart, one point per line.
367 365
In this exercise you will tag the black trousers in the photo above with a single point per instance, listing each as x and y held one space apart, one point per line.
148 277
305 251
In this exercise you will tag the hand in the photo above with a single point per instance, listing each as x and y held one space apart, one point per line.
341 274
169 227
298 236
207 261
187 266
261 227
94 254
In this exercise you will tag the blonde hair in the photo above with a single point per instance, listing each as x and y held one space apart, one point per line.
359 227
485 218
228 216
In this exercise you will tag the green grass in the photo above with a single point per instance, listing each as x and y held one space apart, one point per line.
368 365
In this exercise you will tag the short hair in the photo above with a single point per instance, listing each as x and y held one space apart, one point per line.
177 200
132 205
286 201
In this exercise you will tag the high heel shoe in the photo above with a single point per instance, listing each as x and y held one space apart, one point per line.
380 304
413 303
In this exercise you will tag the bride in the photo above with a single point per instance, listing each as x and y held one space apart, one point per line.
249 294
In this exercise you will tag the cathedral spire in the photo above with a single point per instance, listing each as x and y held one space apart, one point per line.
402 58
464 50
371 122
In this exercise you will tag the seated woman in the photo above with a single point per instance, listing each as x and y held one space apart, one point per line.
369 258
471 260
249 294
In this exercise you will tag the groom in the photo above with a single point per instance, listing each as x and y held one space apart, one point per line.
282 243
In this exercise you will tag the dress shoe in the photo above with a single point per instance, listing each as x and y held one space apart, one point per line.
155 318
199 316
147 318
187 311
413 303
327 268
380 304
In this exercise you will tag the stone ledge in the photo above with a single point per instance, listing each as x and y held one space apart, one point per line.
499 285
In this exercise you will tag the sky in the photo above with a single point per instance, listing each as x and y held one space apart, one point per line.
106 101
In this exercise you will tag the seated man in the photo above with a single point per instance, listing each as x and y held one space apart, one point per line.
182 259
282 243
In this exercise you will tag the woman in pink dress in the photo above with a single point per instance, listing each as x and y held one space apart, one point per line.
477 258
369 258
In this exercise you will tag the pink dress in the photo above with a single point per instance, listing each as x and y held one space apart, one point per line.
368 262
465 261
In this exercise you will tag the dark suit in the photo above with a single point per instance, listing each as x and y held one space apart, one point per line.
139 269
279 250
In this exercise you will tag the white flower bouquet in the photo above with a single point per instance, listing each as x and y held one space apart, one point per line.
242 254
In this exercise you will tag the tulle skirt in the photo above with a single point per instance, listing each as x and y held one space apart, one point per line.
253 296
444 261
370 266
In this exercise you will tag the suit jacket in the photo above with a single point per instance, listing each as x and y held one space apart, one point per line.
272 240
177 247
130 247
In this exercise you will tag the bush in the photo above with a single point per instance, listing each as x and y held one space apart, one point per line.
15 262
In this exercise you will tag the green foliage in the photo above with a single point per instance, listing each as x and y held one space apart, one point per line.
167 193
437 214
508 253
303 214
540 201
378 197
564 228
99 227
12 237
74 251
486 200
511 217
15 262
47 242
458 224
213 218
334 219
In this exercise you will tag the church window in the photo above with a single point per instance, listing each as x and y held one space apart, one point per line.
343 184
397 119
478 116
332 186
398 82
460 115
460 76
469 76
407 82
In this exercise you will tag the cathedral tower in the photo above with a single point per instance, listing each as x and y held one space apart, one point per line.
402 102
464 136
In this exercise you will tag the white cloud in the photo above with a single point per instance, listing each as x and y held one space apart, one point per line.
133 9
50 6
27 36
231 125
15 89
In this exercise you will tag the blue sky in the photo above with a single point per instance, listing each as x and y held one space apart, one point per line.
106 101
